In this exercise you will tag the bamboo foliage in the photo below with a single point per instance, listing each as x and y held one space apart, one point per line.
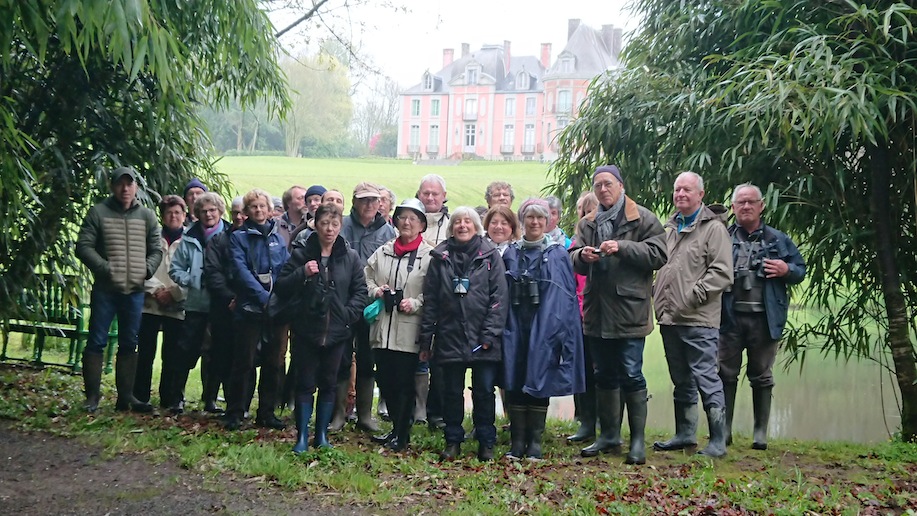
814 102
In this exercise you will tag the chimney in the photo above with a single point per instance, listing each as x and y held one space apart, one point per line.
466 49
572 25
506 56
546 55
447 56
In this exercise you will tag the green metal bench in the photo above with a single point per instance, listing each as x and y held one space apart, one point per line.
56 308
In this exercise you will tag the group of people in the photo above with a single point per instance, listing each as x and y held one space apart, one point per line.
411 296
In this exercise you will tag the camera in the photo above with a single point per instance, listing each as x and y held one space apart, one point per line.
319 303
525 291
460 286
392 299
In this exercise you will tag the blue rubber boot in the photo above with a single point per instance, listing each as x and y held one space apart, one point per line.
303 412
323 413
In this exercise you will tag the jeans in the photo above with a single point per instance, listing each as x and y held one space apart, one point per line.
105 305
483 376
618 363
750 334
691 353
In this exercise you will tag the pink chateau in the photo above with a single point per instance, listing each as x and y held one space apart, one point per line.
498 106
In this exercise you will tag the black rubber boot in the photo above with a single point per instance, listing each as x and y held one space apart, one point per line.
125 370
761 403
636 419
685 429
323 414
608 403
92 380
518 429
340 406
364 405
729 392
303 413
585 406
716 420
535 416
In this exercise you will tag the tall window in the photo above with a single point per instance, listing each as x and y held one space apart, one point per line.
522 81
434 135
415 107
427 82
529 135
530 106
509 135
471 107
470 134
510 107
434 107
415 136
471 76
564 101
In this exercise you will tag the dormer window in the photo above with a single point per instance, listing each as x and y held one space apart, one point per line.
522 81
427 82
566 65
471 75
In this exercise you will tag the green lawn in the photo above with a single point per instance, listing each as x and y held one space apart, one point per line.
465 183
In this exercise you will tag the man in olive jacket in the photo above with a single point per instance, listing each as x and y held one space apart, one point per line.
617 247
119 243
688 299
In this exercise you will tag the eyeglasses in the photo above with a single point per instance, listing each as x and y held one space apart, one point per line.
407 218
746 203
605 185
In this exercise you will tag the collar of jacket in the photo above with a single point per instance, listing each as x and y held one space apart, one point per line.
116 206
249 228
314 248
707 212
631 213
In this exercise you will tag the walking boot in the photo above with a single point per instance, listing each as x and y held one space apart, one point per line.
451 451
636 418
210 391
729 392
518 430
535 417
303 413
383 438
608 405
761 403
177 391
401 410
685 429
340 406
125 370
716 420
485 452
586 410
322 418
421 389
364 405
92 380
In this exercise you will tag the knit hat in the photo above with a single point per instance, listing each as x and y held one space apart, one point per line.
611 169
194 183
533 201
316 190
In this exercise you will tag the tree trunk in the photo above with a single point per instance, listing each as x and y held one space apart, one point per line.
251 148
899 339
240 141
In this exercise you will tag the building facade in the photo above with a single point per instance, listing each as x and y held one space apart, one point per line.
493 105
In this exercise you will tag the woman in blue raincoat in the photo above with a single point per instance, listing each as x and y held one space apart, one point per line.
542 340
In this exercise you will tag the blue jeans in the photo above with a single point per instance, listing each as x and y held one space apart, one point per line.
483 376
691 353
618 363
105 306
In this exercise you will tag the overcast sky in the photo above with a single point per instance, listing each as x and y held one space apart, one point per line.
404 44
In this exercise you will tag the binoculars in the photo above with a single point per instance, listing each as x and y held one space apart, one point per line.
525 291
392 299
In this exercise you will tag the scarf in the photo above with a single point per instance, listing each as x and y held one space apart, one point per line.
403 249
463 254
605 219
171 235
209 232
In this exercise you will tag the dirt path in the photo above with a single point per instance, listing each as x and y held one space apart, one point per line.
43 474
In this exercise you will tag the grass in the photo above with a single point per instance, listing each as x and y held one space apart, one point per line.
465 183
792 477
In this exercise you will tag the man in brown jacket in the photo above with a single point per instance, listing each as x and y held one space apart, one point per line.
119 242
617 247
688 299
